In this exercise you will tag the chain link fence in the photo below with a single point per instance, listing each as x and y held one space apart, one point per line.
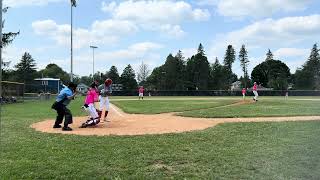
11 92
220 93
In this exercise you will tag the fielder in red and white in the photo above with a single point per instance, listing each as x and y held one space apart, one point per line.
244 93
141 91
255 92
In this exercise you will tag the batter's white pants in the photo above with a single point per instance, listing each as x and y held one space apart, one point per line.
104 103
255 95
92 111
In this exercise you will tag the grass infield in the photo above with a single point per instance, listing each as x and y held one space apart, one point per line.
284 150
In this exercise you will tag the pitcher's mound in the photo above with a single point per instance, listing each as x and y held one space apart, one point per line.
131 124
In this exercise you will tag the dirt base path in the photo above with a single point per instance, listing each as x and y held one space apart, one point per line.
137 124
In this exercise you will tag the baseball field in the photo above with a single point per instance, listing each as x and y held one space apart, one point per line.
166 137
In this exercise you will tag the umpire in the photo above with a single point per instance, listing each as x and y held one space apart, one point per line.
60 105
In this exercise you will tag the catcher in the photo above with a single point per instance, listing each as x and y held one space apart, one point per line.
91 97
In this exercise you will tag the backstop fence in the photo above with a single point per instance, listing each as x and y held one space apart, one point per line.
15 92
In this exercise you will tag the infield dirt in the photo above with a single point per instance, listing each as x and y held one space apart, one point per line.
122 124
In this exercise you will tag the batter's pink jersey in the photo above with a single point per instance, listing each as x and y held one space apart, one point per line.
141 90
255 87
243 91
91 97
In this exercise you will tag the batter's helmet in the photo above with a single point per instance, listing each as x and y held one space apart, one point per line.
94 85
108 82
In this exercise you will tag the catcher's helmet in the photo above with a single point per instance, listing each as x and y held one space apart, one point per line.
108 82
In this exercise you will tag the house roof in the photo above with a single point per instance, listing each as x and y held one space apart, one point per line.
46 79
236 83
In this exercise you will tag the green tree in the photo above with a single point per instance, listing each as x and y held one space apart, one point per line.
26 69
54 71
272 73
269 55
9 75
201 50
76 79
99 77
173 72
308 76
198 70
244 62
7 38
87 80
155 81
127 79
181 71
113 74
218 78
303 79
229 59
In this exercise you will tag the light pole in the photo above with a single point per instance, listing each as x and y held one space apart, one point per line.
93 47
0 66
73 4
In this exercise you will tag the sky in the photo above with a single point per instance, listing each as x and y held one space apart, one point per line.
136 31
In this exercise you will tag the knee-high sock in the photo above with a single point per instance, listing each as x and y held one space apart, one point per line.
99 113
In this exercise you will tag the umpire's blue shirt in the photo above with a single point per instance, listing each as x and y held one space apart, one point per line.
64 93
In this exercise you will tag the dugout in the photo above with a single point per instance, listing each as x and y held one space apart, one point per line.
12 92
48 85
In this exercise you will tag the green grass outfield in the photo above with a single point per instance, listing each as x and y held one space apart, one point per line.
283 150
217 106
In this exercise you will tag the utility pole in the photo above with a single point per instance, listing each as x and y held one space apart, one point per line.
73 4
0 68
93 47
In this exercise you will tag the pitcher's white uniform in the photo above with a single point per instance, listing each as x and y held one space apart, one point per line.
255 91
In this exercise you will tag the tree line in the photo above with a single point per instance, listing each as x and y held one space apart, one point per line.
194 73
26 71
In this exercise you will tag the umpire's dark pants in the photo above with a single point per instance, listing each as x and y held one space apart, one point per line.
63 112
